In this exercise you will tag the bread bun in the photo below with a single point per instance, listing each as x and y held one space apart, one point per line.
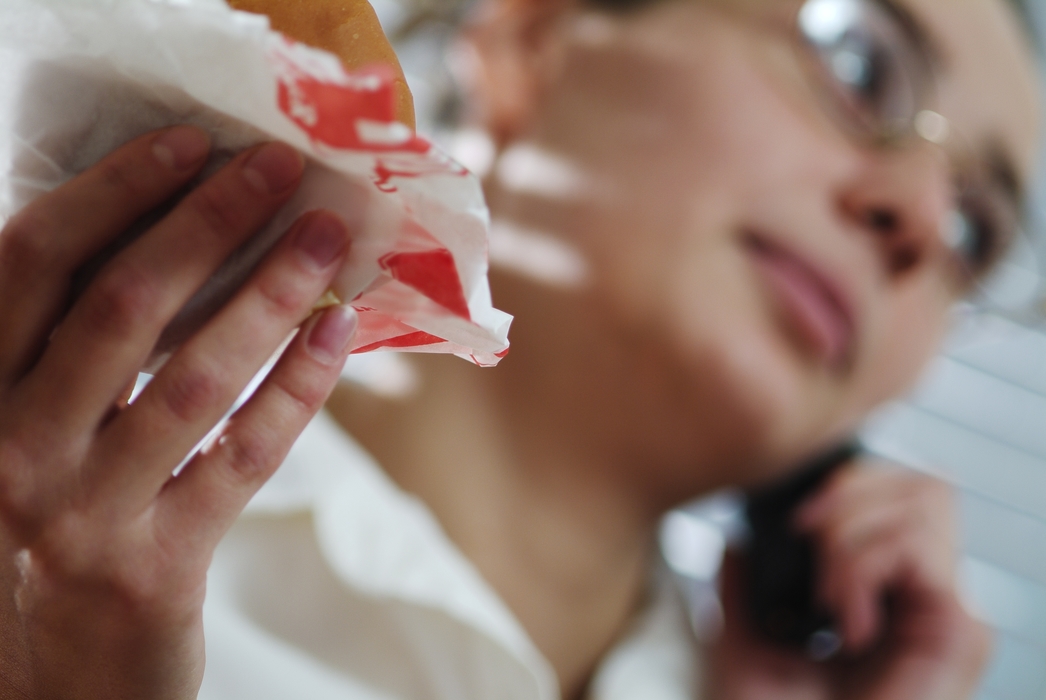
347 28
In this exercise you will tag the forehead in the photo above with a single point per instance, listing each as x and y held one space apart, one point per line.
990 83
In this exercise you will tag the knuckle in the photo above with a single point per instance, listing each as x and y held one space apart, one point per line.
17 485
121 300
68 542
192 393
26 244
136 576
830 539
248 455
305 393
139 585
220 210
281 297
834 549
115 175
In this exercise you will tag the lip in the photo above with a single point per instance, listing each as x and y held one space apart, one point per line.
814 304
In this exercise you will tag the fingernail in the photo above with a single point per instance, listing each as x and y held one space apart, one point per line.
181 147
322 238
331 334
273 168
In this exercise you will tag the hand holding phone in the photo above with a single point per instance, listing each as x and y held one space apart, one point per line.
867 534
780 563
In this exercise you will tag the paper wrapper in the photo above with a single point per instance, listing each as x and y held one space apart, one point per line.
80 77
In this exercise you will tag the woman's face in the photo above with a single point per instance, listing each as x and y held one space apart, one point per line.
762 277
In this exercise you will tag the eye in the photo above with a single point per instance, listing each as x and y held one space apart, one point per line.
977 235
867 62
969 239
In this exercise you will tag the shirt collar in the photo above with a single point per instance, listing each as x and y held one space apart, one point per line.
383 542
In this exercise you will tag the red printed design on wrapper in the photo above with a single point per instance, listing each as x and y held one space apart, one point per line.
389 167
355 113
416 339
379 331
433 273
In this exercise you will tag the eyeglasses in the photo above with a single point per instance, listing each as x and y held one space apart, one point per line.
874 70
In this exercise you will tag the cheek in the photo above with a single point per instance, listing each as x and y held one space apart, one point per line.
907 336
737 380
662 231
669 174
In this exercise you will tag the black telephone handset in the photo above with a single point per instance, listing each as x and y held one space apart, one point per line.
780 563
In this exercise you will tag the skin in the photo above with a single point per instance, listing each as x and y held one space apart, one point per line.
673 371
700 378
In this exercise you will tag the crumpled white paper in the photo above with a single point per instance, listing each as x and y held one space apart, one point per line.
80 77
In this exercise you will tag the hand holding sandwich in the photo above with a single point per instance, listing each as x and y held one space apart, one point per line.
103 554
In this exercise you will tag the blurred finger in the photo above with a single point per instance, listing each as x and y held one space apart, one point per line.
858 586
42 245
848 529
115 324
206 497
122 401
902 561
199 384
851 488
938 652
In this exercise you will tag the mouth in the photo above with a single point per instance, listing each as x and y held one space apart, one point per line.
814 306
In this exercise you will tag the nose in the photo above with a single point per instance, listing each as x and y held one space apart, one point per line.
901 199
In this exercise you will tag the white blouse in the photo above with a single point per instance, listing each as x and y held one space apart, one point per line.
336 584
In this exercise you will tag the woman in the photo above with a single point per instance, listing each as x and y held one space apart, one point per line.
764 244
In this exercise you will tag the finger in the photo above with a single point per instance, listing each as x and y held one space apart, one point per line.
899 561
201 503
858 585
113 327
941 656
200 383
849 531
122 401
849 488
46 241
920 509
916 505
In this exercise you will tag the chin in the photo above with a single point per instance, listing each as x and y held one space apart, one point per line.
737 409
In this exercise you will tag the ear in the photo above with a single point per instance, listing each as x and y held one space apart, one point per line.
516 48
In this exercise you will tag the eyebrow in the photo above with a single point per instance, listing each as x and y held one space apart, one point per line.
917 31
1000 164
